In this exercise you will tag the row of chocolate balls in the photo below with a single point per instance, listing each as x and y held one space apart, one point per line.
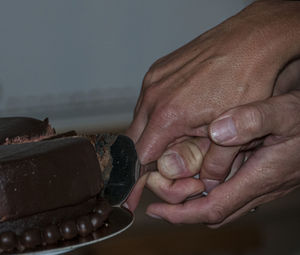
68 230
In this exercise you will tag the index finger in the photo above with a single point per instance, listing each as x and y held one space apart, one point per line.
156 137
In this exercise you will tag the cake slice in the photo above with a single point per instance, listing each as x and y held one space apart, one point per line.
50 185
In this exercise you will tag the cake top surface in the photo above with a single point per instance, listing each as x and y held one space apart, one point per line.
26 150
12 127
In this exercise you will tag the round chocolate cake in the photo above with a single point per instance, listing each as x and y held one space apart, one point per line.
50 186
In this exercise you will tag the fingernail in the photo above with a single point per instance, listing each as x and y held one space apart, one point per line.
223 130
195 195
210 184
172 164
154 216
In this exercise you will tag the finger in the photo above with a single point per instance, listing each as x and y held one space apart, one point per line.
137 126
147 81
252 205
288 79
183 159
236 165
244 210
138 104
156 136
218 162
143 108
136 193
245 123
226 199
216 165
174 191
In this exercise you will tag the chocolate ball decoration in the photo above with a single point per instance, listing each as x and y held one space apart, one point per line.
96 221
52 234
31 238
103 209
68 230
84 226
8 241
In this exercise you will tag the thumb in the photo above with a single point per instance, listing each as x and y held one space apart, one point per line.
183 159
277 116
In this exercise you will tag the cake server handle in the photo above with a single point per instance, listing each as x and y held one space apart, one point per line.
143 169
150 167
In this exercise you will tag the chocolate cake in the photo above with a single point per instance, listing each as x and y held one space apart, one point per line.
50 185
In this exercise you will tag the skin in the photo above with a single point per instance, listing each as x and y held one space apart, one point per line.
264 176
244 61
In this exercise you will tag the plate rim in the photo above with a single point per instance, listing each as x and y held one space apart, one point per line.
71 247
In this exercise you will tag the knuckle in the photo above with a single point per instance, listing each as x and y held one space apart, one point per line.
166 115
147 78
153 73
164 188
170 196
214 169
293 102
193 156
150 94
254 118
216 214
171 199
159 61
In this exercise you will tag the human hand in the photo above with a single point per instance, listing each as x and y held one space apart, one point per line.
218 160
185 159
271 170
235 63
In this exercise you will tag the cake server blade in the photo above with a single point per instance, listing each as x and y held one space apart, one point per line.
124 169
119 164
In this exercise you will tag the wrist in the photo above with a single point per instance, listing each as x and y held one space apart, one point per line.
276 37
281 31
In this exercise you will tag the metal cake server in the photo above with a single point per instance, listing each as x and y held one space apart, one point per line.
122 168
125 168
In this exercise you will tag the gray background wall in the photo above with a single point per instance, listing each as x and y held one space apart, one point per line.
82 62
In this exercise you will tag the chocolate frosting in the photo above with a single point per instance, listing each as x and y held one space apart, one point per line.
33 176
12 127
49 185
